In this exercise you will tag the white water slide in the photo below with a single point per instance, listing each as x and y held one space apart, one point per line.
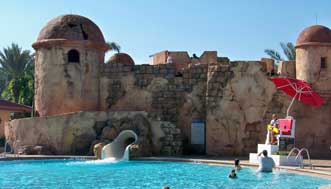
119 148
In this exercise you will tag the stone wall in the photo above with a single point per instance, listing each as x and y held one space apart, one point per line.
287 69
313 128
156 89
208 57
238 96
4 116
235 99
269 65
76 133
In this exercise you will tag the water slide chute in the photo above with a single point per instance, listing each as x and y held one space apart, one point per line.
119 148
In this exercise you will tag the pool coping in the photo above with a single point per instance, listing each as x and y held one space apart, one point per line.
297 170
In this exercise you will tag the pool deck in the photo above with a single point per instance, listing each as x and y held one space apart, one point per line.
321 168
11 157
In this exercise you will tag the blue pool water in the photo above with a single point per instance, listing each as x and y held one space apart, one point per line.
141 175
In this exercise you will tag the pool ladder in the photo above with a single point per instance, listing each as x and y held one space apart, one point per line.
300 155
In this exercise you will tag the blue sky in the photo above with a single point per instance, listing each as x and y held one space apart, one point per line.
240 30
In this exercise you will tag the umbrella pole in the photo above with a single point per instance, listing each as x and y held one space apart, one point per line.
289 107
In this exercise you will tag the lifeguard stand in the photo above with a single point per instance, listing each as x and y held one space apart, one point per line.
285 142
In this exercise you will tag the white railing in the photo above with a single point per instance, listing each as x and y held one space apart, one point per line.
292 151
300 155
308 156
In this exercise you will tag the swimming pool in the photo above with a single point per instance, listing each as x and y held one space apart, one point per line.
141 174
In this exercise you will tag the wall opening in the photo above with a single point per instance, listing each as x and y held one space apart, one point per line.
323 62
73 56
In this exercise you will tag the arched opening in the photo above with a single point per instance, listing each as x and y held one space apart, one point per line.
73 56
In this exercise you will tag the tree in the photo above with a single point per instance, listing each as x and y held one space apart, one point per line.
288 50
17 68
3 79
113 46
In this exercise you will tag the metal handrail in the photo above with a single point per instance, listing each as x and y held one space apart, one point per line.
307 152
292 151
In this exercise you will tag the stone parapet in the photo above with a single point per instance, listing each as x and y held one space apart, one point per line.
268 64
286 69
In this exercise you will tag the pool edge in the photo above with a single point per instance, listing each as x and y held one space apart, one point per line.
297 170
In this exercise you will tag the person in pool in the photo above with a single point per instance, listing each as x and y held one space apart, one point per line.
233 174
265 163
237 164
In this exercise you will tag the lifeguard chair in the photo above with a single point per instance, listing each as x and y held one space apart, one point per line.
286 137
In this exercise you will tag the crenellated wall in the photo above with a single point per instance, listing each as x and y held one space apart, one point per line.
234 99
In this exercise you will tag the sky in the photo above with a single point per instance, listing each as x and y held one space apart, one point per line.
238 29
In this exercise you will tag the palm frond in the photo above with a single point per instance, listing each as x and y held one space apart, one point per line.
14 61
113 46
16 70
289 50
273 54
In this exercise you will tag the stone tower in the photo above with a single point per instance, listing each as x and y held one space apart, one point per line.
313 57
70 50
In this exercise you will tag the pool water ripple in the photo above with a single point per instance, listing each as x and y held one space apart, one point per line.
142 175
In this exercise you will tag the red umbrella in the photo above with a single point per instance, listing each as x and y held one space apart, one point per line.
299 90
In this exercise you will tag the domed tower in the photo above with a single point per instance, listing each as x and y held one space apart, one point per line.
70 50
313 56
121 58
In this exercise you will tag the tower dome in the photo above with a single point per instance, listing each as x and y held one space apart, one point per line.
71 28
122 58
314 35
313 59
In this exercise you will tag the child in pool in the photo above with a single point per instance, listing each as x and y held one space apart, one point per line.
233 174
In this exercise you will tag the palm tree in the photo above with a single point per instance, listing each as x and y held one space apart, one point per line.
16 64
288 50
113 46
3 79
